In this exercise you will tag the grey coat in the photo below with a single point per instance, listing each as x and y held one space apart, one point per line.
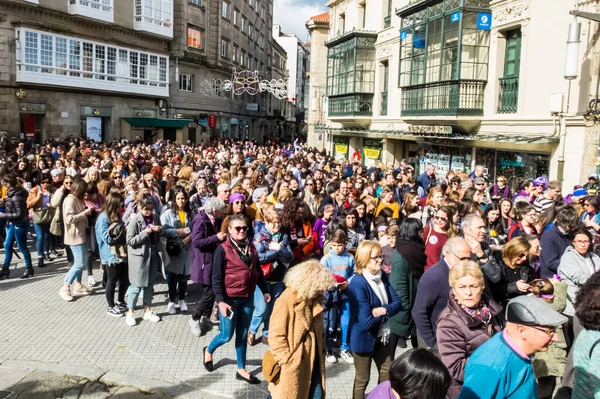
181 264
574 270
139 250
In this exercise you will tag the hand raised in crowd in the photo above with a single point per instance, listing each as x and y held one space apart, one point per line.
475 246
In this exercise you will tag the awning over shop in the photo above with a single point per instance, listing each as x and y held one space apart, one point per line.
157 122
500 137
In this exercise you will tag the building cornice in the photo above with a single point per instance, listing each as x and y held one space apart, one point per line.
56 22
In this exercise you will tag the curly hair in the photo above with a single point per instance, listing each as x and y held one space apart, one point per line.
587 303
321 279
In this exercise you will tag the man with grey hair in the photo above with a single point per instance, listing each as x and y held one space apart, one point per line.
433 291
223 191
206 237
477 172
198 200
473 230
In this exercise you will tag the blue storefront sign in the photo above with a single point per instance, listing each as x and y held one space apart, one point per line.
484 21
403 34
455 17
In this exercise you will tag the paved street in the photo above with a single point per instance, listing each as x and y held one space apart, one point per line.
40 330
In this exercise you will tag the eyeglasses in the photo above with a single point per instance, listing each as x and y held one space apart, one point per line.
238 202
547 330
241 228
309 184
443 219
480 184
582 242
461 258
68 183
378 257
523 255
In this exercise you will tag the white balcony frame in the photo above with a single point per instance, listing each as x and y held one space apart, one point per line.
71 75
95 9
152 24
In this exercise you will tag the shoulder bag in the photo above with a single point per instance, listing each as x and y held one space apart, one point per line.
43 216
270 368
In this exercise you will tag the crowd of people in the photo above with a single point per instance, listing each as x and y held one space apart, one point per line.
497 290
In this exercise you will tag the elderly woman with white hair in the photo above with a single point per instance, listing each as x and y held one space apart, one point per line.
205 240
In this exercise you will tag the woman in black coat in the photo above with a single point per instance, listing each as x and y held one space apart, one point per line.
408 265
516 272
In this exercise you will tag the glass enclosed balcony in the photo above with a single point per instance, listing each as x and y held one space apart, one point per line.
351 74
444 51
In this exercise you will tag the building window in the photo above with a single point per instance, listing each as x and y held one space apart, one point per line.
194 38
509 83
250 29
155 16
243 24
97 9
250 3
243 58
387 20
262 12
351 67
444 59
225 10
236 13
385 71
234 56
224 48
65 61
185 82
362 12
196 2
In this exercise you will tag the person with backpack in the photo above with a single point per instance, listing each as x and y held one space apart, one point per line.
111 235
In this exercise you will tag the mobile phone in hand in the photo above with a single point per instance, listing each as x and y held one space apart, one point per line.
229 314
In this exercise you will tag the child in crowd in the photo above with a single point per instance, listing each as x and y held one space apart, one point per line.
341 263
324 217
380 227
388 250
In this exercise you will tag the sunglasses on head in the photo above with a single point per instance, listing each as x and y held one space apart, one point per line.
241 228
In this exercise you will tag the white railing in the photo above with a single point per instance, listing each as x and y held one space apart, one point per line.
97 9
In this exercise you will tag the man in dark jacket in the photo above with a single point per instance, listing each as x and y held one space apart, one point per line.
475 233
555 241
433 291
15 215
426 179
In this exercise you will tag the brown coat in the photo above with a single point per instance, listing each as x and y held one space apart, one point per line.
291 318
458 335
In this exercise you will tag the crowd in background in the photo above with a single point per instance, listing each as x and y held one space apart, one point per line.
325 260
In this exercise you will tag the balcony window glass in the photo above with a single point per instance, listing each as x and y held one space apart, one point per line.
60 60
97 9
351 67
154 16
196 2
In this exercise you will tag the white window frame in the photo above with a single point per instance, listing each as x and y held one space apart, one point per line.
196 2
225 9
234 54
243 27
224 48
102 10
236 16
186 82
154 16
58 60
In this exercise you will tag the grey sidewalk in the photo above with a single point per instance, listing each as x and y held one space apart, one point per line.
40 330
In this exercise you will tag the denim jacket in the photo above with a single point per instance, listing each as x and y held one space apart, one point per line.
104 240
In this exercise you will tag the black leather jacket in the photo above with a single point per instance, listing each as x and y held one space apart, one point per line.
15 205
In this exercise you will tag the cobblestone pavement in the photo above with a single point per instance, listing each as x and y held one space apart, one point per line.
40 330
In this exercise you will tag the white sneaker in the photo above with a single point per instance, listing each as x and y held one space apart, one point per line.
331 357
91 281
65 293
150 316
171 308
183 306
347 356
195 327
130 319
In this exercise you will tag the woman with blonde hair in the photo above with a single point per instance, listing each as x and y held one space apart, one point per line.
296 336
372 302
435 198
467 322
225 178
516 273
386 201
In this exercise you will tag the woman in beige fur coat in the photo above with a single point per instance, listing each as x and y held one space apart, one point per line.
296 334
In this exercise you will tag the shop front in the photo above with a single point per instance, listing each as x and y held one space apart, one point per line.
31 121
445 158
340 148
515 165
372 152
156 128
95 122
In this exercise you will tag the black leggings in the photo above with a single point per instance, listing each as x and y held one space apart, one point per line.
116 273
394 343
174 281
206 302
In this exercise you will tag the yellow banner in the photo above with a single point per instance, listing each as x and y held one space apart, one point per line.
341 148
373 154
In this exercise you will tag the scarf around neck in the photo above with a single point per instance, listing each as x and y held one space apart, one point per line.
480 314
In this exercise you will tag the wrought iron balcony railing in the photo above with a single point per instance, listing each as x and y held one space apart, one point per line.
453 97
508 99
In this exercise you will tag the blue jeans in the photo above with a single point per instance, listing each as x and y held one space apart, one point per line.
147 292
16 232
262 309
42 239
239 323
76 271
344 315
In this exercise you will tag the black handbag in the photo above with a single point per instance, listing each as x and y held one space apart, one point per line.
173 248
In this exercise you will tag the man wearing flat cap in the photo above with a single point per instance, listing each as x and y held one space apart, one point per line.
501 368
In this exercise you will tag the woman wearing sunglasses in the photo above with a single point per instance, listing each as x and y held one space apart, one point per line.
236 273
437 232
516 272
372 302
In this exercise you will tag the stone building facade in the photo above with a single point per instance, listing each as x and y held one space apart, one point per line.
212 39
84 67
